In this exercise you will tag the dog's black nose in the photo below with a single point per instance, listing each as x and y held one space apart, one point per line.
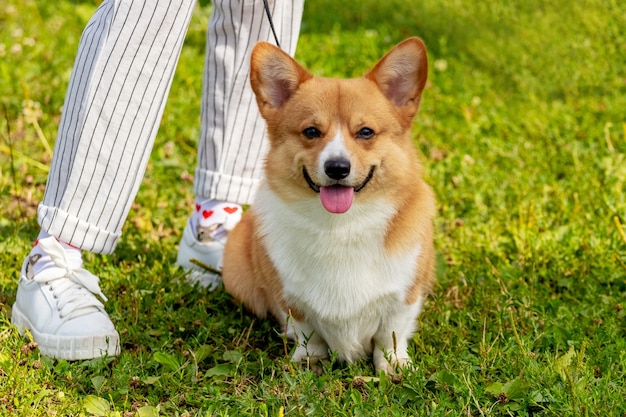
337 169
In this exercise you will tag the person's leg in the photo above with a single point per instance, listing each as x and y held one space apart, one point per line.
232 139
114 102
122 75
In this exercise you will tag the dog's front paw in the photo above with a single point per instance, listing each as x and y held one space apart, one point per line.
390 363
311 352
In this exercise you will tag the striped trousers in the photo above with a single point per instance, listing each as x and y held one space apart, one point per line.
115 99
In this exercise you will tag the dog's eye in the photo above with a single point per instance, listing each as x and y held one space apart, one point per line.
312 133
365 133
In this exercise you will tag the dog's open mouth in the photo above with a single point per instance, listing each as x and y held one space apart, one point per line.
336 198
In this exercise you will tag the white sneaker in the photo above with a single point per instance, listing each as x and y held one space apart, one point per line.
202 260
58 305
201 248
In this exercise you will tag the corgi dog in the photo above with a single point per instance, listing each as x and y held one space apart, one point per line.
338 244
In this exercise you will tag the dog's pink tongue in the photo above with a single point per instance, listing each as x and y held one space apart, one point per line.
337 198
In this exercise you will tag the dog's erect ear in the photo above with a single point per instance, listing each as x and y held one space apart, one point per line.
274 76
401 75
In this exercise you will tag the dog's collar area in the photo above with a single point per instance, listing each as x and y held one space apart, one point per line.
316 187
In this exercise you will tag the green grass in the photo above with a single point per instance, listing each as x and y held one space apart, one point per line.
523 132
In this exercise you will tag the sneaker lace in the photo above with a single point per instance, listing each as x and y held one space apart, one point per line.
68 281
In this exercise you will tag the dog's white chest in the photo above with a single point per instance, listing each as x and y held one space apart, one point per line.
335 266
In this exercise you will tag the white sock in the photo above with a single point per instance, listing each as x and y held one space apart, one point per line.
213 219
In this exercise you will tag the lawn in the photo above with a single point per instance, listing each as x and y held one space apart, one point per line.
523 134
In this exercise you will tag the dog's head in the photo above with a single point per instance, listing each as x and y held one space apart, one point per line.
339 138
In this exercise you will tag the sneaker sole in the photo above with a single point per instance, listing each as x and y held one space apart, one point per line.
71 348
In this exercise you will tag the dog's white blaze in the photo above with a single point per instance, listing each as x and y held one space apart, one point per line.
351 289
336 148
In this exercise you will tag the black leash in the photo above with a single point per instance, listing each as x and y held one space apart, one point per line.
269 16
